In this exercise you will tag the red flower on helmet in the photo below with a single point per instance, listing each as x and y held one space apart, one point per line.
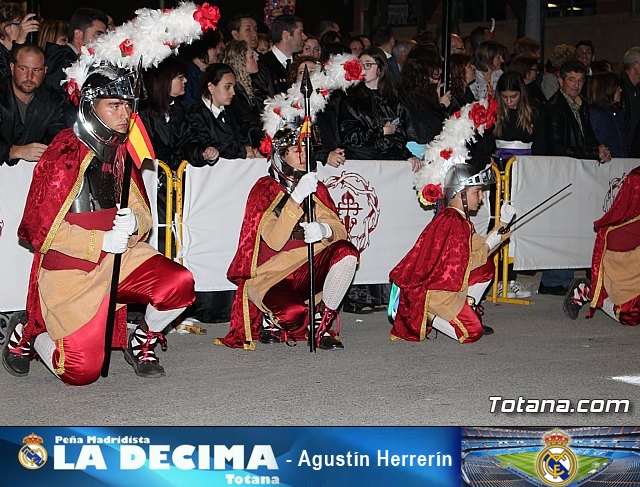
324 92
207 16
277 111
446 153
353 70
484 116
126 48
265 145
432 192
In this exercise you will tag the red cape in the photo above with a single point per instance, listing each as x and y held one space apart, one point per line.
437 262
55 184
624 210
246 318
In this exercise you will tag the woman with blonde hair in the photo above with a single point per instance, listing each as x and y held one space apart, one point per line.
244 106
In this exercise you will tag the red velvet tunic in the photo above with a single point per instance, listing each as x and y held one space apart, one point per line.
436 271
246 317
55 184
615 265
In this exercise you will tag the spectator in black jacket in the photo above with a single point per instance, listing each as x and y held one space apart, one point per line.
244 106
287 33
216 131
419 88
163 115
371 119
84 26
30 114
568 126
607 119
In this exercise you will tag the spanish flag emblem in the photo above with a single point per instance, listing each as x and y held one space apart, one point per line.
138 143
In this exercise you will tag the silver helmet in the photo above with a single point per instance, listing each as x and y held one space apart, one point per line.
105 81
282 172
461 176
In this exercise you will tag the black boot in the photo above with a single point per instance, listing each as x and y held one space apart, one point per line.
577 296
326 338
140 352
16 356
270 332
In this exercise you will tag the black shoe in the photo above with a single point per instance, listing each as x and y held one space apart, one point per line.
143 369
571 305
330 343
552 290
16 365
487 330
356 308
268 336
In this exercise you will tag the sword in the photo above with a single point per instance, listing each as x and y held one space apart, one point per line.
504 230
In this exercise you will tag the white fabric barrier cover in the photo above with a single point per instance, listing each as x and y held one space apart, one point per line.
559 235
374 198
16 256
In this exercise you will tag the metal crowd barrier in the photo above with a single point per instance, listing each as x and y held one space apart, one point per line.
503 193
173 222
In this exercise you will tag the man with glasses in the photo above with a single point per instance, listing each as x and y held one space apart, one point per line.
527 66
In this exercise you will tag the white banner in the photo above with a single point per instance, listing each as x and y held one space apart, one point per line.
560 235
374 198
16 256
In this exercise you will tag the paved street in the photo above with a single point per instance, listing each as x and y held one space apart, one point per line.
536 353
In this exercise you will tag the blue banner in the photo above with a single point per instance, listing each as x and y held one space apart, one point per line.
221 456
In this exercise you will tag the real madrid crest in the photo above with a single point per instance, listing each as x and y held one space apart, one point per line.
556 464
32 455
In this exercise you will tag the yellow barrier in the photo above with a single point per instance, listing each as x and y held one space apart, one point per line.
503 193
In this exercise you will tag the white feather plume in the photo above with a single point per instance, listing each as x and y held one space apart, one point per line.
449 147
284 109
153 35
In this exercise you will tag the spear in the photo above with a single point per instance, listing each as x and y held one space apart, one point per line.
117 258
305 89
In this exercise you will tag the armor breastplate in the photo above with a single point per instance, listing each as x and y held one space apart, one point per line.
99 190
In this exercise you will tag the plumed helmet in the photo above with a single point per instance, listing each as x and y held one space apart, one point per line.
105 81
461 176
282 172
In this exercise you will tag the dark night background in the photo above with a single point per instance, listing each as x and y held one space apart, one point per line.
311 11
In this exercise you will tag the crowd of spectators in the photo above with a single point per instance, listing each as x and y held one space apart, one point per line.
206 103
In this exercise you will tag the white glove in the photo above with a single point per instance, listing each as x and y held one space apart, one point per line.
306 186
126 221
115 241
507 212
314 231
493 240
